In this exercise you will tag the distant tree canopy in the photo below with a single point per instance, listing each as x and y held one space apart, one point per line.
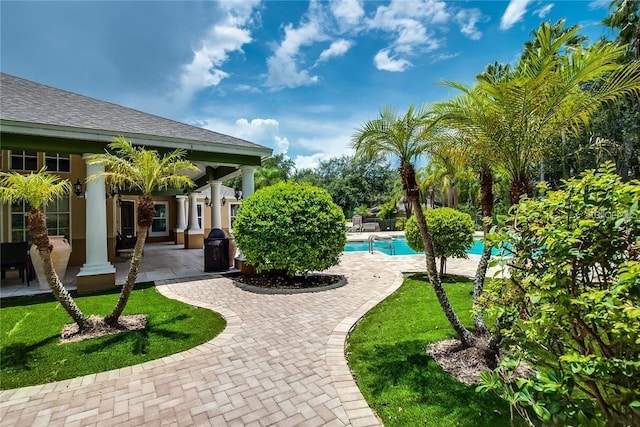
352 183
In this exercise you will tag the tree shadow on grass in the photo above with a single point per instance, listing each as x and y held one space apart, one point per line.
406 371
17 356
140 339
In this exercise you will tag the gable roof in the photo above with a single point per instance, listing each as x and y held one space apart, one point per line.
29 106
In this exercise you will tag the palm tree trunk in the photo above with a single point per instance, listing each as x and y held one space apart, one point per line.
132 275
40 237
411 187
486 197
519 187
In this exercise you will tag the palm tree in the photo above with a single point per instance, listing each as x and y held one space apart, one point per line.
405 137
625 16
37 190
138 169
528 111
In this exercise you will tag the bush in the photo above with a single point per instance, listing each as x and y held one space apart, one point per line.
572 307
291 229
451 230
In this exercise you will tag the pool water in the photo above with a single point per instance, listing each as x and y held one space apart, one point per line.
402 248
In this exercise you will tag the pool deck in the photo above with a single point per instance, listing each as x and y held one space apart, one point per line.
279 362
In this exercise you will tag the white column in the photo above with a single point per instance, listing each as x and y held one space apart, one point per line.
248 186
193 227
182 224
97 259
216 210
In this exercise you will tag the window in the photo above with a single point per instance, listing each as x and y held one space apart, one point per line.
24 160
233 211
57 214
160 224
19 228
56 162
58 217
200 209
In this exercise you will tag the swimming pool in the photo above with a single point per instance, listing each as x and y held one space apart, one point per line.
401 247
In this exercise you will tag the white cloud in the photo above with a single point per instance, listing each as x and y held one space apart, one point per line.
309 162
260 131
513 13
226 36
281 145
444 57
282 65
543 11
598 4
409 21
385 63
337 48
467 19
248 88
347 12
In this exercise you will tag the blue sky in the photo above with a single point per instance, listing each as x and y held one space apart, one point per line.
296 76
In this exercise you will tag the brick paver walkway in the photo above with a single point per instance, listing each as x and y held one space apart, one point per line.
280 361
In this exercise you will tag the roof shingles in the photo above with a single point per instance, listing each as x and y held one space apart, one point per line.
30 102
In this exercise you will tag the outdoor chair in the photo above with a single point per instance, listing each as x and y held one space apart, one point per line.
15 255
356 224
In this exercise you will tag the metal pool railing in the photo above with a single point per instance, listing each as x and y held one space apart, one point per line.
388 241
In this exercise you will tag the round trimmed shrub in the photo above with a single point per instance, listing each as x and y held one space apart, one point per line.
451 231
290 228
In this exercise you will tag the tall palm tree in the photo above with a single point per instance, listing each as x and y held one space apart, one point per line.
545 98
405 137
138 169
37 190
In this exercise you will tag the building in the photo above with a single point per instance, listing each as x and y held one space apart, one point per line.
44 126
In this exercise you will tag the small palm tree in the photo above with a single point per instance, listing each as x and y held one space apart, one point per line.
37 190
406 138
138 169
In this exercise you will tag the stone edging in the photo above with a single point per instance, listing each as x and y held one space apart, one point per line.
285 291
348 391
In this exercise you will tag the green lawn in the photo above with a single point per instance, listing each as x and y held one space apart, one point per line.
406 387
30 328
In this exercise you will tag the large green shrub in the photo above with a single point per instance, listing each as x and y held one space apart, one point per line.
291 229
451 230
571 309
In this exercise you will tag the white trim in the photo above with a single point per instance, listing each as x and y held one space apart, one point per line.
99 135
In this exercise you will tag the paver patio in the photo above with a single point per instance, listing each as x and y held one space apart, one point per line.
280 361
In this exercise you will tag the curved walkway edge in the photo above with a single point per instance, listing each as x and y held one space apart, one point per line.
280 361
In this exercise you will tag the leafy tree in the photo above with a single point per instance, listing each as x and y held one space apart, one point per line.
273 170
139 169
571 307
352 182
37 190
451 230
406 138
289 229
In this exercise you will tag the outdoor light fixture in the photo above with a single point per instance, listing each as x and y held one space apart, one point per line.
77 188
207 202
224 200
238 194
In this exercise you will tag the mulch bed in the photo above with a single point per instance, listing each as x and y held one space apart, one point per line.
133 322
268 281
465 364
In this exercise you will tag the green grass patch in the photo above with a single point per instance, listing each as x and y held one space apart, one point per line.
405 386
30 328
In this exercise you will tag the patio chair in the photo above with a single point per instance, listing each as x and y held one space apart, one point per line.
15 255
356 224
